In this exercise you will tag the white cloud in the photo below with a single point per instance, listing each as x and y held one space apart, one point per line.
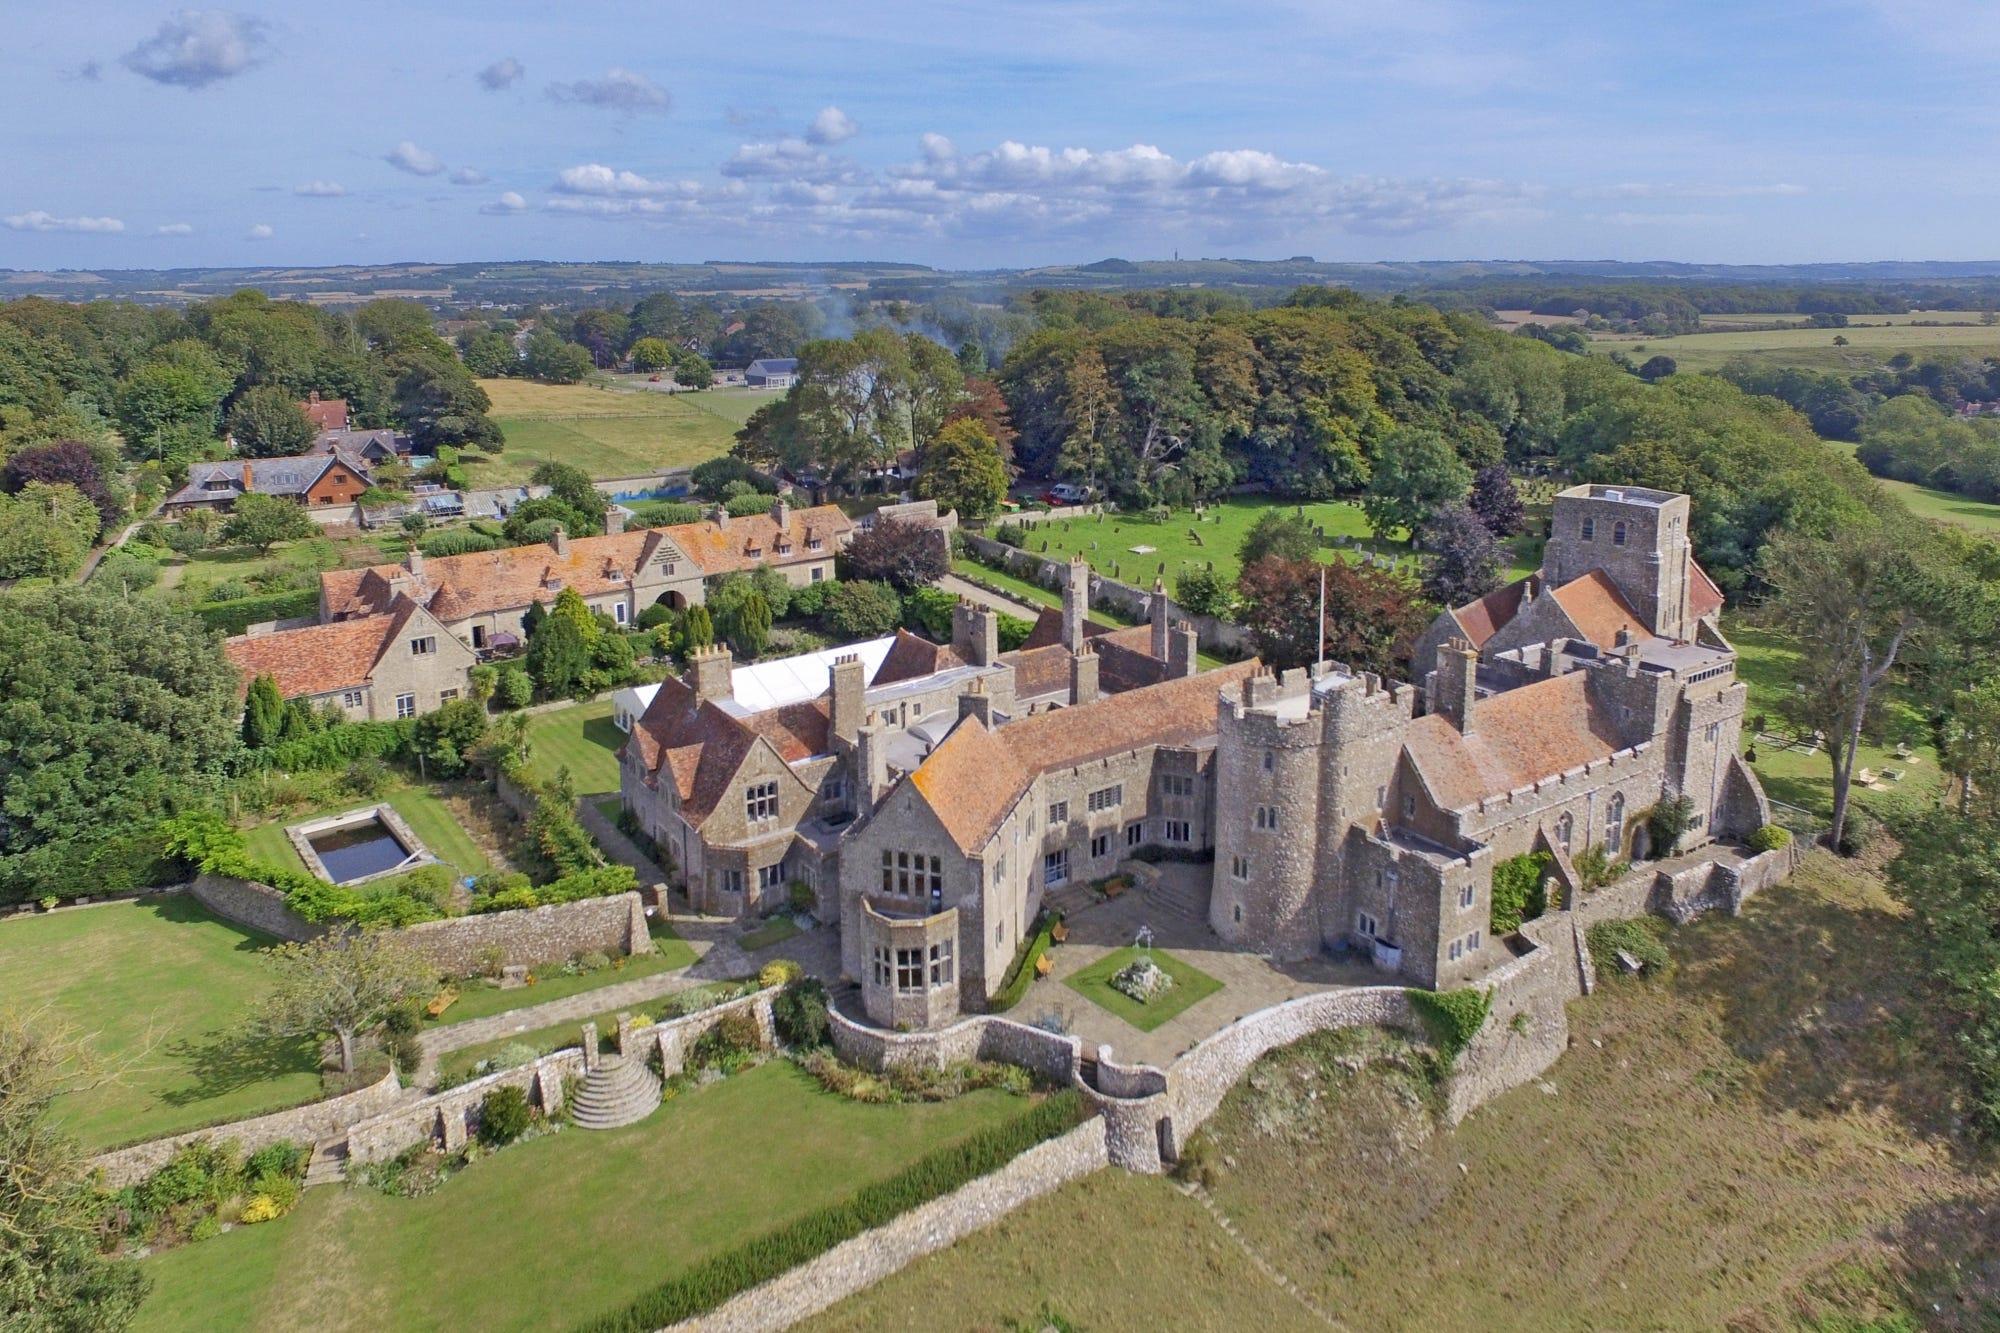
506 204
619 90
831 126
197 47
41 220
502 74
406 156
174 229
468 176
780 158
260 232
597 179
318 189
937 148
1692 190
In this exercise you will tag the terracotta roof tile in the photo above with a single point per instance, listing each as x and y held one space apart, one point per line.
1174 712
970 781
700 748
317 659
326 413
912 657
1517 737
1480 620
1598 610
1704 598
1039 671
1047 630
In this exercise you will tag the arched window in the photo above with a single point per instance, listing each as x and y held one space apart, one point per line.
1614 824
1565 827
1618 533
1589 529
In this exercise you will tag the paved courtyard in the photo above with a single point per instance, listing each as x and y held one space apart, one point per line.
1250 981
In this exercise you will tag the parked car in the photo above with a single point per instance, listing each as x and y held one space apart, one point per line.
1066 494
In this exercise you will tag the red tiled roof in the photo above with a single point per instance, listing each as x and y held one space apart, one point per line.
1518 737
1039 671
326 413
1598 610
1048 630
700 748
1480 620
970 781
318 659
1704 598
913 657
454 587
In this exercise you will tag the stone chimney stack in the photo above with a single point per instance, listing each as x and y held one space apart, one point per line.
847 705
871 776
975 633
709 673
1075 602
1083 676
614 520
559 541
249 476
1182 647
976 702
414 561
1156 611
720 517
781 513
1454 685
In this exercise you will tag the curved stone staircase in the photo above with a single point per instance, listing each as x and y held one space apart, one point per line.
620 1091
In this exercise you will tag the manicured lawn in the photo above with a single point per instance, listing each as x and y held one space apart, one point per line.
551 1233
671 953
582 738
427 817
162 990
606 432
775 931
1191 985
1945 507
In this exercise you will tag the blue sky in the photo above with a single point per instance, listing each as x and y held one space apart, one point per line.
1005 132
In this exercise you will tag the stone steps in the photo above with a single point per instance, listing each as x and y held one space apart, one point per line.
620 1091
1181 897
329 1163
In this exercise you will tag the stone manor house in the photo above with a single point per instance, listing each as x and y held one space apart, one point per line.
933 807
398 640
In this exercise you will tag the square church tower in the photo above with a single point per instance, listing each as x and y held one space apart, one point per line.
1637 536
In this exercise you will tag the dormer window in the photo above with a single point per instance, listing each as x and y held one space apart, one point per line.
813 543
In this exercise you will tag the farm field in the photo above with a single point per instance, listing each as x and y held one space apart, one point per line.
550 1233
428 818
1869 343
161 990
1945 506
606 432
733 405
1765 1139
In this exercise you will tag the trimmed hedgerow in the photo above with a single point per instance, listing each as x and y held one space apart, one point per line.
1453 1017
719 1277
1023 974
240 613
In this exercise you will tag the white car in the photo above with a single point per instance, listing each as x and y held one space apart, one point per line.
1070 495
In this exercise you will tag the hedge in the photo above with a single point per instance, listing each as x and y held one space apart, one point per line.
714 1280
1023 974
239 614
337 746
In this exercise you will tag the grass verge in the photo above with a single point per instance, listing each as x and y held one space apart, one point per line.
1191 986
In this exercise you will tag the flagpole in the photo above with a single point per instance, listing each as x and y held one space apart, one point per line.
1319 654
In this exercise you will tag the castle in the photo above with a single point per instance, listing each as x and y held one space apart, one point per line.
1340 810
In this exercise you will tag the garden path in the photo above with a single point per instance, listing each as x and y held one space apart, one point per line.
1013 606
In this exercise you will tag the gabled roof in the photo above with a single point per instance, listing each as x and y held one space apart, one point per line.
1518 737
773 365
913 657
1047 629
700 748
1704 598
325 413
1481 620
292 474
318 659
1598 610
974 776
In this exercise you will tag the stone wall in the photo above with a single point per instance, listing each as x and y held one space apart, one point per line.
531 935
257 907
301 1124
1051 1057
1125 599
859 1263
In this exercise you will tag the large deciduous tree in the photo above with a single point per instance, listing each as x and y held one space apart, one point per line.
1417 473
1463 560
1372 617
904 554
112 713
45 531
342 986
1497 501
263 521
268 422
90 468
962 470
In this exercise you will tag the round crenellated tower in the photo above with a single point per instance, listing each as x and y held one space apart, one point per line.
1267 789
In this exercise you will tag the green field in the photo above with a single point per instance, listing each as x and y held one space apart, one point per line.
1191 986
428 818
1945 507
1183 542
551 1233
606 432
733 405
580 737
162 990
1768 1139
1871 340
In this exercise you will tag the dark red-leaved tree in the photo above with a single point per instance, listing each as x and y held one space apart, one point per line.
1464 559
1497 502
896 552
65 463
1373 616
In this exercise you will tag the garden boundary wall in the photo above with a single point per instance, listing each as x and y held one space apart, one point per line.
300 1124
860 1262
1050 1056
1125 599
458 945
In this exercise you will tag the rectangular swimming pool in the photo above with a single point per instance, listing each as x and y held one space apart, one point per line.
358 851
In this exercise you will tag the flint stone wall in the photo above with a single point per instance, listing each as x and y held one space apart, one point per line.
257 907
1050 1056
301 1124
859 1263
528 936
